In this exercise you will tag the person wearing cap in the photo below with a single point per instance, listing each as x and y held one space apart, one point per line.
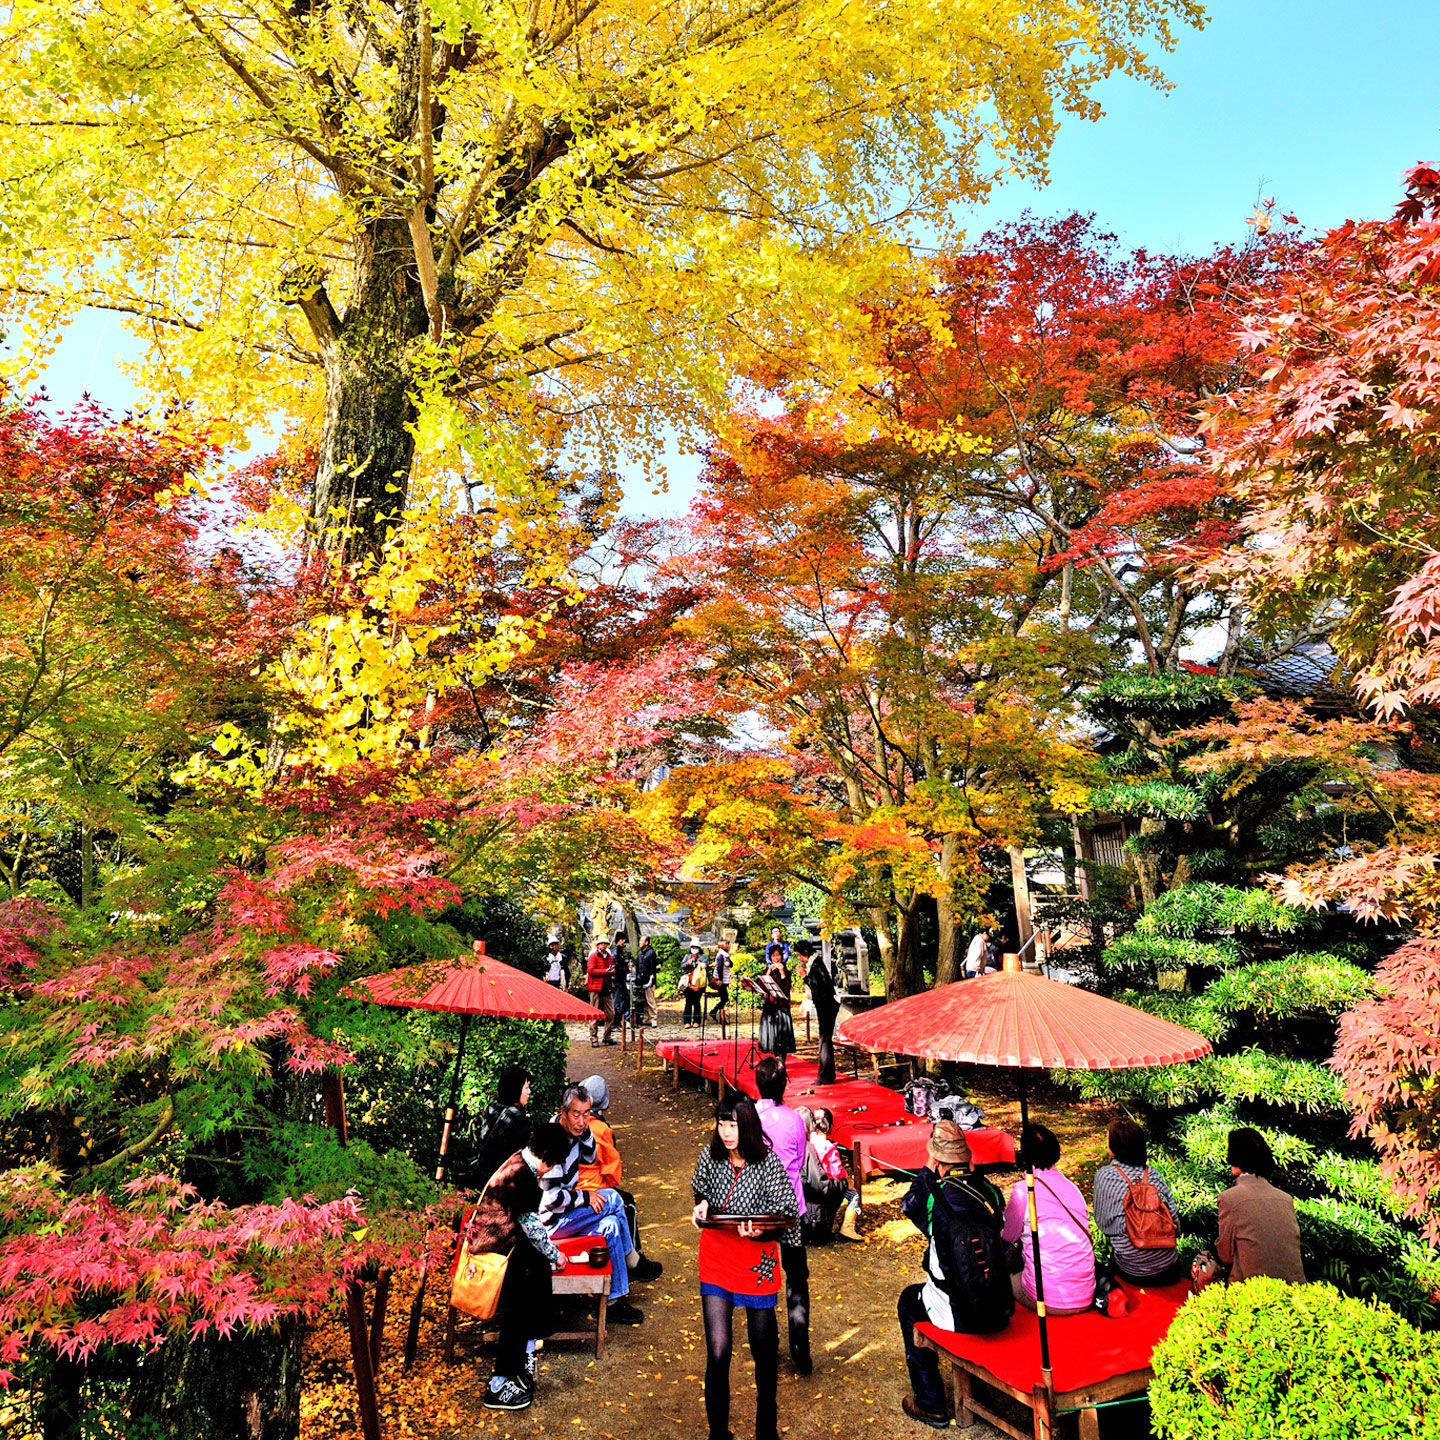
967 1282
557 966
692 983
604 1170
1259 1234
600 981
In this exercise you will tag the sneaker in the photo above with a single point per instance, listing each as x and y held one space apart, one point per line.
925 1417
515 1394
622 1312
646 1270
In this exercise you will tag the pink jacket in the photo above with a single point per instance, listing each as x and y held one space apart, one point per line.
1067 1258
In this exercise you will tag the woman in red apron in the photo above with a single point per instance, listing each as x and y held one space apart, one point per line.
738 1175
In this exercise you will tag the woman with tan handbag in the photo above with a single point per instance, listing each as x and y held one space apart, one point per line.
506 1262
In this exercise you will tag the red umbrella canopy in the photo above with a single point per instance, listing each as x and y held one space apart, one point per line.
485 988
1018 1019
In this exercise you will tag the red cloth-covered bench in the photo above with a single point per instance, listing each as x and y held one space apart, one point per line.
904 1148
1093 1360
870 1119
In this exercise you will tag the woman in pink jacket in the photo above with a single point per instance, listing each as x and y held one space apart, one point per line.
1067 1257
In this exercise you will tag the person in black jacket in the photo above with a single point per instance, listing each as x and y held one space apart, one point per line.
647 967
820 982
967 1282
504 1126
622 975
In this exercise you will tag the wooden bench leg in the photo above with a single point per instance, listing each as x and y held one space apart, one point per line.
602 1300
960 1380
450 1335
1089 1423
1043 1406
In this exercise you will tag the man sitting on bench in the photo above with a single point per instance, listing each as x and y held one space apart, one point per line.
567 1208
604 1172
967 1282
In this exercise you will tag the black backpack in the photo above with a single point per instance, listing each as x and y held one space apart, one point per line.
972 1257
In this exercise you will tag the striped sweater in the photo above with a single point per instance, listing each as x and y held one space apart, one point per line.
560 1190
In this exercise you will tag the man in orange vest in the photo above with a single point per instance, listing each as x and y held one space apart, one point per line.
603 1173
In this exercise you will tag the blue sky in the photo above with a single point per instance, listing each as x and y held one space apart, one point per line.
1318 103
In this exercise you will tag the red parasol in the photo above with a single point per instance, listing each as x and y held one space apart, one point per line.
487 988
1025 1020
1013 1018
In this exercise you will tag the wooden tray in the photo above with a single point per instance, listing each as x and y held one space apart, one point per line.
770 1225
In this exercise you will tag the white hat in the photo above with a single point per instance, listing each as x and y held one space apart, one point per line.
696 945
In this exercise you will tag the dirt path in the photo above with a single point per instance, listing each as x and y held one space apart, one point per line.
650 1380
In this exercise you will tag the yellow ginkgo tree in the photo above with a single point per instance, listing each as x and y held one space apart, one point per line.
466 230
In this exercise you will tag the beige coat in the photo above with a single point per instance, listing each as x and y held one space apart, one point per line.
1259 1234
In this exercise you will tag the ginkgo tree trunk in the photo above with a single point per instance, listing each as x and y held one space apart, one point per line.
472 230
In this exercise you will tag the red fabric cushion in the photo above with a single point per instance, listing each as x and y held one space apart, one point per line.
904 1148
574 1248
1084 1349
862 1108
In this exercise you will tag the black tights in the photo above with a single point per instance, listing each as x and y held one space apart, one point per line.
764 1335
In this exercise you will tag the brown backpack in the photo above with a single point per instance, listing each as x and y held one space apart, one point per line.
1148 1224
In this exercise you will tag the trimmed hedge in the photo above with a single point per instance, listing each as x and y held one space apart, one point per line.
1270 1361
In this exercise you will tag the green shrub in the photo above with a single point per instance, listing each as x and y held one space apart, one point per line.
667 975
1188 1010
1252 1075
1310 981
1208 909
1270 1361
296 1158
1177 698
1145 954
1161 798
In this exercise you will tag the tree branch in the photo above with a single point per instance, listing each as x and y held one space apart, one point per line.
130 1152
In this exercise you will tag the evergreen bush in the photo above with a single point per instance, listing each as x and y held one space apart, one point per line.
667 976
1270 1361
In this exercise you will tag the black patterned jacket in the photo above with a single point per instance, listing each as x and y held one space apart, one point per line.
762 1188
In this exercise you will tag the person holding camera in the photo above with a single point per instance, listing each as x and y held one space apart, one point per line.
967 1280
